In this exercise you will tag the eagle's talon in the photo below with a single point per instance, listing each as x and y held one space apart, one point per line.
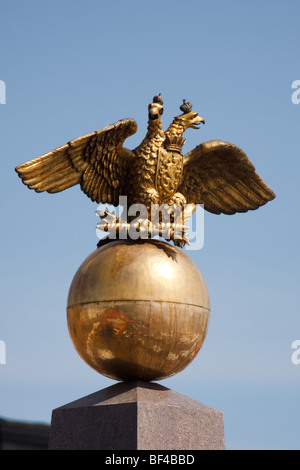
180 243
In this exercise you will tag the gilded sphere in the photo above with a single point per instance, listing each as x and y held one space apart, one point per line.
138 310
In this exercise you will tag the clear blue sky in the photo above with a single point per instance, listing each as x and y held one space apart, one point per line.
71 67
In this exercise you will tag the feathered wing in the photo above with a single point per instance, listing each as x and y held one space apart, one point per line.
97 161
220 176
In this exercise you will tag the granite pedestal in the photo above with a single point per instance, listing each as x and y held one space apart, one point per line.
136 416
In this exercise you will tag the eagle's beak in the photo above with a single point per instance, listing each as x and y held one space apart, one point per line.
198 121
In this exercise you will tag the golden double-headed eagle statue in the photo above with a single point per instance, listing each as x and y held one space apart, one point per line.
216 174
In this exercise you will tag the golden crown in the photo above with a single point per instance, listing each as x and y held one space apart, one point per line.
174 143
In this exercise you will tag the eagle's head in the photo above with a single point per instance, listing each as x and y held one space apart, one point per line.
184 121
189 119
155 109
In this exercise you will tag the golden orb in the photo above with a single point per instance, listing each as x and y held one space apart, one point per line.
138 310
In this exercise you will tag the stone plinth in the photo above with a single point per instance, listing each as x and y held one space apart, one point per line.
136 416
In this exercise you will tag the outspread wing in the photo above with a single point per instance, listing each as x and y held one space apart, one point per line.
220 176
97 161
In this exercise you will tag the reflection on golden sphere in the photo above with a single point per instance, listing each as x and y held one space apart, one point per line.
138 310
